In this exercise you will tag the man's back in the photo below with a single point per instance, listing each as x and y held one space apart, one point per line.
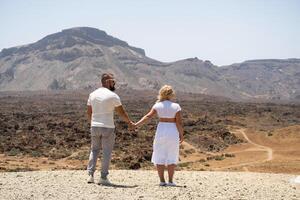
100 110
103 102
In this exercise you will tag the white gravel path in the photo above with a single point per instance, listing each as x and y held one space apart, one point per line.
144 185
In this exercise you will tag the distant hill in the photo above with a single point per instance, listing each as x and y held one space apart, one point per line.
266 79
74 58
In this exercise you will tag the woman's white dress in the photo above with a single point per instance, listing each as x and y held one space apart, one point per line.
166 141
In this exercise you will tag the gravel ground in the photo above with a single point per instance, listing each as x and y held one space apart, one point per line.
144 185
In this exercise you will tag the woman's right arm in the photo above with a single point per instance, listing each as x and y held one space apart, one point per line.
146 117
179 125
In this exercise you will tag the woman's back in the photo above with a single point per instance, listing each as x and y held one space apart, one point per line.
166 109
168 134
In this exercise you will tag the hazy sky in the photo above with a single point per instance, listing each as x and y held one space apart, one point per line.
222 31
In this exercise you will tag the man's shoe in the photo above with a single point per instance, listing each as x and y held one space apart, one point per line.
90 179
162 184
104 181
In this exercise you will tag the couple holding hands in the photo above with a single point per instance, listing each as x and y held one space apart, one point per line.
169 133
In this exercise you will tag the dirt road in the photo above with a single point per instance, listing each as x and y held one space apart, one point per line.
255 147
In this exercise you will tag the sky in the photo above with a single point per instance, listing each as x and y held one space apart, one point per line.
222 31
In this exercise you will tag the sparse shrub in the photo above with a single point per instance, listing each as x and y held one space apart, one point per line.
17 126
190 151
183 164
121 165
135 165
58 154
210 158
219 158
14 152
20 169
229 155
147 156
270 133
82 155
36 154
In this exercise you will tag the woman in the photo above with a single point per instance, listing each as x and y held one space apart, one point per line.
168 134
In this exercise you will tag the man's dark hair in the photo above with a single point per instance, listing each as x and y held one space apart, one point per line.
105 77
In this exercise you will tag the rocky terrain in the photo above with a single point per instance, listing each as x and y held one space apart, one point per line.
55 125
74 58
144 185
42 129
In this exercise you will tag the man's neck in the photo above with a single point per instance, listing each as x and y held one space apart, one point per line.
106 88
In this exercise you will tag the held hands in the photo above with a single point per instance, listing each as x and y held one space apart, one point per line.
136 125
132 125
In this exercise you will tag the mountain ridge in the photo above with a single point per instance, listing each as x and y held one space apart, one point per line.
88 34
74 58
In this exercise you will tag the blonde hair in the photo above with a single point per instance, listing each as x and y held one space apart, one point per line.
166 92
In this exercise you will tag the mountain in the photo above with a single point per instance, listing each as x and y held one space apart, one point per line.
266 79
74 58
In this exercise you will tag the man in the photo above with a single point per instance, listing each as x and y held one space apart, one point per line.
100 109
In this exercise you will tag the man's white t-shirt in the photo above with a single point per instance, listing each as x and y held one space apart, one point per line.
103 102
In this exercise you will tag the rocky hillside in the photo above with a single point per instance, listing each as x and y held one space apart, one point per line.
74 58
272 78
